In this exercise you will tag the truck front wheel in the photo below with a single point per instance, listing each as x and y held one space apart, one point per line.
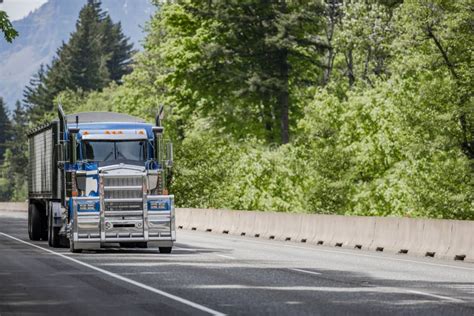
34 222
72 248
53 232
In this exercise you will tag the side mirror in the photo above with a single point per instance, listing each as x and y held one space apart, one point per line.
169 155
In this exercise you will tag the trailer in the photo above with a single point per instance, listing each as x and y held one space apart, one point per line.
98 179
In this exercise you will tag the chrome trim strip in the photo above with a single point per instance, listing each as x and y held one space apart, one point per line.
102 207
123 188
145 208
121 200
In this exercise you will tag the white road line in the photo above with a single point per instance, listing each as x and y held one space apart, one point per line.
124 279
447 298
224 256
319 248
304 271
378 289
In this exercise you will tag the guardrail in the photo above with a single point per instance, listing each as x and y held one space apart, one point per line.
447 239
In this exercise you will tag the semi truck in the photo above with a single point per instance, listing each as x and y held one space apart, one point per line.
100 179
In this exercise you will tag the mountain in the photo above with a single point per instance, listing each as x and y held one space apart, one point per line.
43 31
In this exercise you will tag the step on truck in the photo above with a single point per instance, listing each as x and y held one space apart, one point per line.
100 179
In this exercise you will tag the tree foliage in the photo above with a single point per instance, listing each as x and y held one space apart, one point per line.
376 95
6 27
96 54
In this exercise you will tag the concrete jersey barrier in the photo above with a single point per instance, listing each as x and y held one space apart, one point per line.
447 239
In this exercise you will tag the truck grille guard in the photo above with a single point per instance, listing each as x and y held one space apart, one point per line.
121 212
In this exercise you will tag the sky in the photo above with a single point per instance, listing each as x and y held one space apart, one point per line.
17 9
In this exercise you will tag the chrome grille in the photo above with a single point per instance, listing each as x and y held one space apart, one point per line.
123 206
123 181
123 194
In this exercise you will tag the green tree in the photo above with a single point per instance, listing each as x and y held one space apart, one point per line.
5 126
6 27
240 63
96 54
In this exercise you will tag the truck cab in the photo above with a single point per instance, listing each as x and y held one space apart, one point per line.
108 183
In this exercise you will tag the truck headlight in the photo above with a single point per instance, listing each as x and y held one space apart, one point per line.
89 206
158 205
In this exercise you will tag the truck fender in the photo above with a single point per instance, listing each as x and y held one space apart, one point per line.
55 211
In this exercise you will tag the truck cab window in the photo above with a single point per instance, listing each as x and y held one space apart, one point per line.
113 150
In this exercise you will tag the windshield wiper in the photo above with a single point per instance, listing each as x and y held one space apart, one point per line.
108 156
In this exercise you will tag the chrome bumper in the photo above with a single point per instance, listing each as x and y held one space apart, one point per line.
101 220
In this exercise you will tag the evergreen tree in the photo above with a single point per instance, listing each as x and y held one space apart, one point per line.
5 128
19 146
117 49
6 27
96 54
246 59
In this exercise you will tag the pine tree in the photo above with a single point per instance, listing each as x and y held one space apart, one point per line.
18 143
253 53
117 49
5 128
96 54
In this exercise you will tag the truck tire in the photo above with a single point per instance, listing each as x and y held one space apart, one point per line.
44 226
165 249
72 248
53 233
34 222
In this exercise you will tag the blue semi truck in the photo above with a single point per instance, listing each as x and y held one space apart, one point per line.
100 179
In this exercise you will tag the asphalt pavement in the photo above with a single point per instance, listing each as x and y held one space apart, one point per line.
210 273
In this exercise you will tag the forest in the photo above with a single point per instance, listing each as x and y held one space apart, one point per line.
361 107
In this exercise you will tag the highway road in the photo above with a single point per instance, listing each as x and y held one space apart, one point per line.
210 273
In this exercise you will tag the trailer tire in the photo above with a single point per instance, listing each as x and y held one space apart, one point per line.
165 249
72 248
53 233
34 222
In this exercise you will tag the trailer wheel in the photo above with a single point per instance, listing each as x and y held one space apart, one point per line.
165 249
34 222
53 232
72 248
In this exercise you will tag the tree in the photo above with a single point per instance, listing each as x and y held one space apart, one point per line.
242 63
18 143
96 54
6 27
5 126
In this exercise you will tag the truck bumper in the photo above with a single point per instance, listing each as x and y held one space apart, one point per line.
93 226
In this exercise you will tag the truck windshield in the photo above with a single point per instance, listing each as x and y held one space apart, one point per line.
114 150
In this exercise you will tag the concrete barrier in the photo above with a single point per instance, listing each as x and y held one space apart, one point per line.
423 237
436 238
461 246
14 206
324 229
354 232
409 235
447 239
183 217
386 234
